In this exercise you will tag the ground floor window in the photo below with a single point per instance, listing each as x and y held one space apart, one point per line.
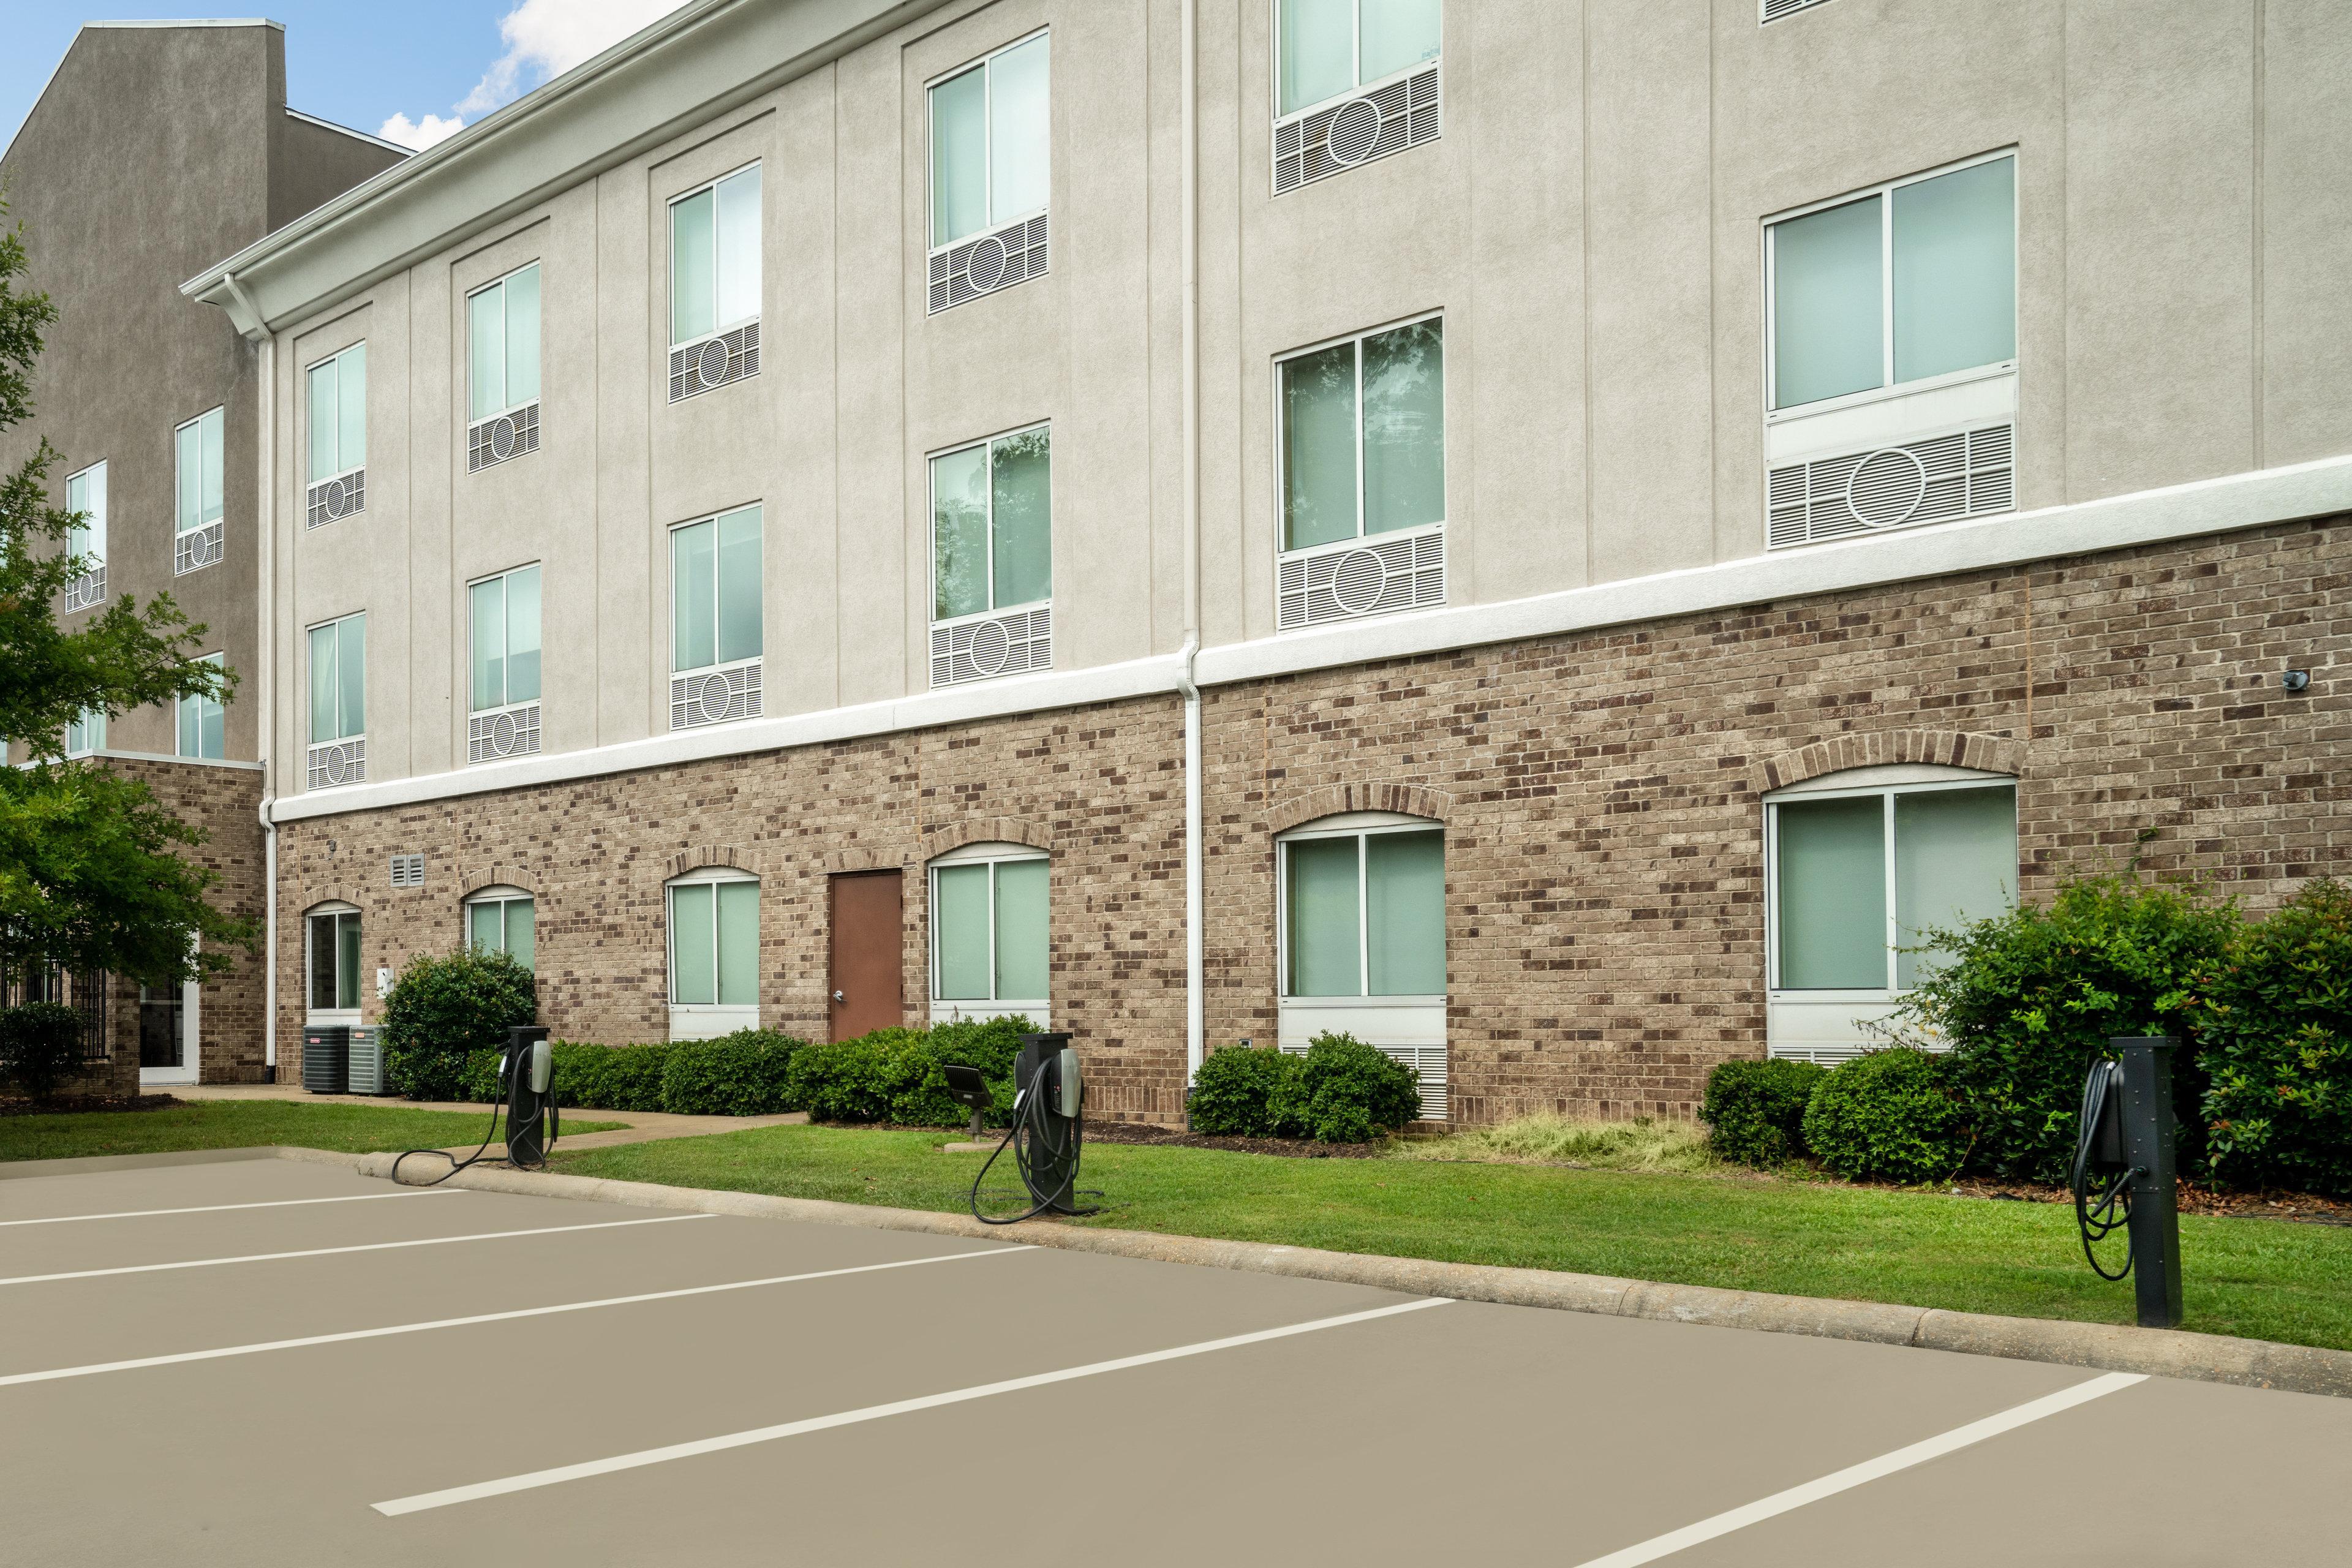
714 953
1862 866
1362 938
990 944
332 933
502 920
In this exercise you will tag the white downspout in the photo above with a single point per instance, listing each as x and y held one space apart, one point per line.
1195 1014
265 649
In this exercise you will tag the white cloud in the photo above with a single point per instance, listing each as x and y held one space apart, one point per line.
418 135
544 38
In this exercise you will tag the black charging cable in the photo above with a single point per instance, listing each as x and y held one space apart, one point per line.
1029 1137
2102 1199
509 1088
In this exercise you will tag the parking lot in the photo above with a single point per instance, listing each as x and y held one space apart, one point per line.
262 1362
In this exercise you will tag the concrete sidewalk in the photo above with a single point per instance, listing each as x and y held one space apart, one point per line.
643 1126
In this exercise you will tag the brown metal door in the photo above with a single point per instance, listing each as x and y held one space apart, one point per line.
868 965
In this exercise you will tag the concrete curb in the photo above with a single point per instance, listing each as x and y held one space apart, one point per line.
2107 1347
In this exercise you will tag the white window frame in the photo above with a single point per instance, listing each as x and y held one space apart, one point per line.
1415 1021
1827 1024
1039 1010
931 525
669 546
506 654
1889 388
360 733
180 708
179 532
1355 54
988 149
316 1018
670 239
465 314
85 736
697 1020
1284 551
500 894
311 416
88 590
190 1000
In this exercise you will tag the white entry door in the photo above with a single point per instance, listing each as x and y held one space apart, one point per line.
167 1034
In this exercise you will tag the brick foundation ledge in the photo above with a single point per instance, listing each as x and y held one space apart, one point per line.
2107 1347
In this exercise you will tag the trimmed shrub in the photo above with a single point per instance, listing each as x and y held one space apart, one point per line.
1345 1091
2027 998
443 1008
746 1073
845 1080
2276 1047
1755 1111
1887 1115
40 1048
1234 1091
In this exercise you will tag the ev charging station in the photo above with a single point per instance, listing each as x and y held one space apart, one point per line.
2125 1172
1047 1131
527 1098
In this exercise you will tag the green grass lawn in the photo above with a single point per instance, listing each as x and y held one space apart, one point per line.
246 1124
2261 1278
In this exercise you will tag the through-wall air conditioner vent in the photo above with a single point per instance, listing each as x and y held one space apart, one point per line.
1428 1065
336 762
197 547
86 590
981 648
999 259
408 870
1373 576
1773 10
714 696
501 437
714 362
1324 141
507 732
332 501
1968 473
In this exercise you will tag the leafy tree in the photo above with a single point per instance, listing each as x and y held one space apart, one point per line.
88 874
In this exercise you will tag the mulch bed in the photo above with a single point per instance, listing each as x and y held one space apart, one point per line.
65 1105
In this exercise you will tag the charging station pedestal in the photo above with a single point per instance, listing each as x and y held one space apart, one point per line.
531 1093
1047 1062
2148 1129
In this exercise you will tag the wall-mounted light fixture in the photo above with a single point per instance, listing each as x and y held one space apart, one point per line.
2296 680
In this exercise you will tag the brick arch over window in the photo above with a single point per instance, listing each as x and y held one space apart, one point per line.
703 855
1409 800
474 881
1952 748
986 830
336 895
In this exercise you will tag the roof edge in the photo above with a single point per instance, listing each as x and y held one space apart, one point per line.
293 113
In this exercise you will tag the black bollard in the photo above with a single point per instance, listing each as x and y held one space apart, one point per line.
2147 1126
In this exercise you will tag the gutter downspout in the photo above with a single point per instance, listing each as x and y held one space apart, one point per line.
1195 1027
266 511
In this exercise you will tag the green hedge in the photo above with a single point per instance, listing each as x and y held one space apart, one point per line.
2276 1046
1341 1091
1888 1115
40 1048
444 1008
1755 1111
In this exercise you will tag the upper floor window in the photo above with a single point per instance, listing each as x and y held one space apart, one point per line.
992 525
201 463
337 421
203 720
991 141
1364 909
1897 287
1363 437
504 619
714 952
339 680
1861 875
502 345
86 735
714 256
332 933
1329 49
502 920
716 633
989 933
86 494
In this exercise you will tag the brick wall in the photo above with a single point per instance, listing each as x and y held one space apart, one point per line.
1602 797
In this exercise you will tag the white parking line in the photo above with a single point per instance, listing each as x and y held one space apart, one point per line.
218 1208
562 1473
1868 1471
332 1251
97 1368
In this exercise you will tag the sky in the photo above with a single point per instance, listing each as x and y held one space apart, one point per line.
412 71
